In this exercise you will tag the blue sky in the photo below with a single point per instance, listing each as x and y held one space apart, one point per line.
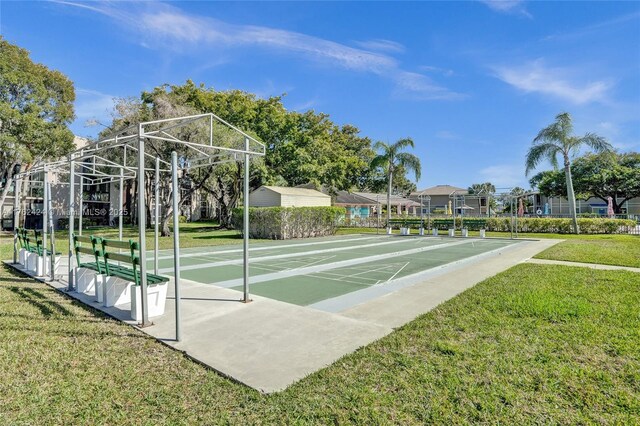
471 82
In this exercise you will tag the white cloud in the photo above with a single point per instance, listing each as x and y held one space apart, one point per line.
446 134
162 26
536 77
382 45
444 71
514 7
504 175
91 104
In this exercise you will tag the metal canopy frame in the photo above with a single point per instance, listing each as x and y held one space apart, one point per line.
88 169
205 151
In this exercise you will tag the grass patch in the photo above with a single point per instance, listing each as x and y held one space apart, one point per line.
535 344
622 250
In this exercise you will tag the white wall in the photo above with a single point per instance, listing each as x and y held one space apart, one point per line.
304 201
263 197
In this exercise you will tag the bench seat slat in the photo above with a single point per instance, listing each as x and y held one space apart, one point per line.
119 257
116 244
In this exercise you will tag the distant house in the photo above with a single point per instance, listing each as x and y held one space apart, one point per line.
400 205
440 195
282 196
355 205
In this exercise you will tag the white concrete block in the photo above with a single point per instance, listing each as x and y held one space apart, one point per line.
156 298
101 289
56 267
465 232
86 280
421 231
22 256
435 232
452 232
482 233
116 291
32 262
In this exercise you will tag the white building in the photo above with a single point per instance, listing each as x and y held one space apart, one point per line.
282 196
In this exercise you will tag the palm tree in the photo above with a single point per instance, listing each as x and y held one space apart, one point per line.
557 139
390 159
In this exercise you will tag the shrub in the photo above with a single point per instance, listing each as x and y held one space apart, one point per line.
290 222
560 225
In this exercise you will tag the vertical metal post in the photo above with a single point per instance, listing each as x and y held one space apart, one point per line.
45 216
72 201
422 212
156 195
511 221
142 219
211 130
516 218
176 239
80 207
121 207
16 216
429 213
245 221
53 235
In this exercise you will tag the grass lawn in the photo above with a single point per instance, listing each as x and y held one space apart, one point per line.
534 344
623 250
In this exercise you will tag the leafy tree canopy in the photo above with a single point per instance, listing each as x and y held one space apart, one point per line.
36 104
608 174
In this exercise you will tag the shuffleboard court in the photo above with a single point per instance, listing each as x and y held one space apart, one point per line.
306 272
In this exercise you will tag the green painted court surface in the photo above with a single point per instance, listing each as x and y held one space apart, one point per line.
309 271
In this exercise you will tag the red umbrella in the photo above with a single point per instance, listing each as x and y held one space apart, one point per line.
521 208
610 211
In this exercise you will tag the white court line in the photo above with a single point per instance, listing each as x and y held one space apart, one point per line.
335 265
271 247
399 270
282 256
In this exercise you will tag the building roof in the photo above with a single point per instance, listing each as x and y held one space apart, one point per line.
302 192
440 190
382 199
344 197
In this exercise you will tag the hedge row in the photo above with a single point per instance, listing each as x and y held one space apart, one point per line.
562 225
282 223
529 224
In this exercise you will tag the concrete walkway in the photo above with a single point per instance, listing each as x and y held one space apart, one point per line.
268 345
584 265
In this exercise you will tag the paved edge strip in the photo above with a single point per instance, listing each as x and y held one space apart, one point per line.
584 265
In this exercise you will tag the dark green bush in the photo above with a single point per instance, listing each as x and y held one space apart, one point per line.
282 223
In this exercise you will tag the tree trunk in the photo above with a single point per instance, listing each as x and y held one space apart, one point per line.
571 196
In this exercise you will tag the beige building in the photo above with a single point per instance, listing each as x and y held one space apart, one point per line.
282 196
436 199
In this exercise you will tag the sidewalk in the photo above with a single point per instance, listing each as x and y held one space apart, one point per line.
584 265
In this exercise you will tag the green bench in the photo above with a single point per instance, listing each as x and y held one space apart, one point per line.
132 258
121 291
94 251
31 244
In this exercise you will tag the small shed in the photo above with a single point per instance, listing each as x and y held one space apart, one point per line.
282 196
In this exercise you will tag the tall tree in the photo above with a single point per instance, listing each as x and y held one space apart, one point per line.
557 139
486 189
609 174
391 159
301 148
36 104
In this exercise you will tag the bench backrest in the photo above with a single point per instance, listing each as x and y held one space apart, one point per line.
132 257
19 235
33 243
91 246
